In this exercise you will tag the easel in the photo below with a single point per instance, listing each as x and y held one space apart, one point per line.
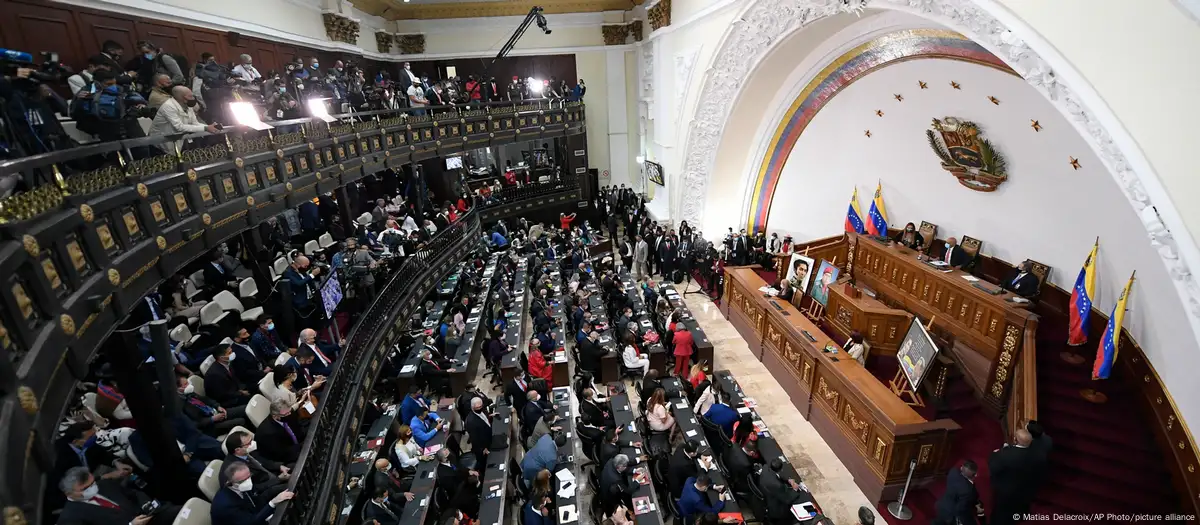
816 310
900 385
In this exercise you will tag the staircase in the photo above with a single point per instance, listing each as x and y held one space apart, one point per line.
1105 458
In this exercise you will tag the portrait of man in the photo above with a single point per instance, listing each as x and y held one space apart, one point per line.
800 272
826 276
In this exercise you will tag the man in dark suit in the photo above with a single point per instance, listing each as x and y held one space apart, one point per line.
217 278
610 447
437 377
1014 469
515 391
279 441
384 509
959 504
238 503
954 255
479 430
591 353
269 477
1041 446
739 249
208 415
92 501
300 279
781 493
682 466
448 474
649 384
303 364
740 460
221 383
246 366
532 412
617 483
1025 283
76 448
593 412
668 251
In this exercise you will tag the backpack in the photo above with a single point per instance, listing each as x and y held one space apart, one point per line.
180 61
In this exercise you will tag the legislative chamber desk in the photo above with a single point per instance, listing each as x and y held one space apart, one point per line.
989 324
871 430
883 327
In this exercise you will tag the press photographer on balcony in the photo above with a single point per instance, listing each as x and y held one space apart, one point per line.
178 116
109 110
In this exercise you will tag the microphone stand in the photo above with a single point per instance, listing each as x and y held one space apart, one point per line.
533 14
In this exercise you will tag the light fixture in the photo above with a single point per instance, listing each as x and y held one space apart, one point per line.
640 159
316 108
541 22
535 85
247 115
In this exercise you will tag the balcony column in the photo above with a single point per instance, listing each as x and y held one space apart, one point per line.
153 425
344 211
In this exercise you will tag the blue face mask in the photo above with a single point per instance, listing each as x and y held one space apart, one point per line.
270 326
149 56
947 245
315 66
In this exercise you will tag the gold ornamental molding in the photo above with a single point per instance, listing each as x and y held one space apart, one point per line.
340 29
615 35
396 10
411 44
659 15
384 42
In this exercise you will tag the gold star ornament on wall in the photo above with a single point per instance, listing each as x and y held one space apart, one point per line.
922 84
994 100
879 112
955 85
1037 126
867 133
899 97
1074 163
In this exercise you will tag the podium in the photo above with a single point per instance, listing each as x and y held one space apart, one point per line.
882 326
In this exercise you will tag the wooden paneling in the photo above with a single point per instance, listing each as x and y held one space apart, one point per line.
872 431
199 42
169 37
97 28
35 28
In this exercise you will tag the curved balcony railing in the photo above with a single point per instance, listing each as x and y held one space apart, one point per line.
81 248
327 450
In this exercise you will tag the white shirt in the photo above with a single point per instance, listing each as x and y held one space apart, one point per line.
77 82
631 359
174 118
408 453
246 72
416 96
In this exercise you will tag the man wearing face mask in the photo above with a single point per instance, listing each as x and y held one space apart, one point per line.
221 383
300 277
1024 283
265 340
106 502
154 60
247 366
178 116
77 449
238 501
515 92
383 510
208 415
269 477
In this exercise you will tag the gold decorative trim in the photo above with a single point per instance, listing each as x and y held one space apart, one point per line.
114 277
85 211
28 399
206 219
31 245
14 515
142 190
923 454
140 272
67 324
162 242
191 172
1008 351
288 186
239 163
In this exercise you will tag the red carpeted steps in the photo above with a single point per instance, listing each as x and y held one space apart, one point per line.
1104 458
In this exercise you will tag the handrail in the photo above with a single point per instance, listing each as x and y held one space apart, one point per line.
347 379
79 261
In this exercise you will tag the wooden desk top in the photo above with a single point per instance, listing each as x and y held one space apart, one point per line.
954 277
870 392
863 302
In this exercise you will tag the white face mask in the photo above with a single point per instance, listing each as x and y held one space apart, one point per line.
91 491
232 356
189 389
245 486
252 447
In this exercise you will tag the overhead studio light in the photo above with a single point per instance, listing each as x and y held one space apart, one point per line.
541 22
316 108
535 85
247 115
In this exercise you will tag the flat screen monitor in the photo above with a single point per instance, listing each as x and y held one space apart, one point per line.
331 295
453 163
917 353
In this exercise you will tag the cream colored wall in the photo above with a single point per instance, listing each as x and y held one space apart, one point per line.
1140 56
591 67
492 39
698 37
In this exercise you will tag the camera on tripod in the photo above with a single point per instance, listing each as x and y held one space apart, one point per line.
50 69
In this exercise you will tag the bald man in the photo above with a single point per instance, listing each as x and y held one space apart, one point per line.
177 116
954 254
160 93
1014 472
300 276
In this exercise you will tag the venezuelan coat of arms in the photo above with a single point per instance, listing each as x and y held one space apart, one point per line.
966 154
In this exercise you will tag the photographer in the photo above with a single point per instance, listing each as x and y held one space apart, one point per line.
154 60
211 84
78 82
109 110
161 92
30 108
178 116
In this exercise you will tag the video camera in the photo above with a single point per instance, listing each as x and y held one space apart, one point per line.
49 70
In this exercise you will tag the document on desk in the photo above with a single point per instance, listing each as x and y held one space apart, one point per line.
564 475
743 410
682 405
691 433
971 278
567 512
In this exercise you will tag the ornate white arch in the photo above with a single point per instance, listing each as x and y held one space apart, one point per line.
763 23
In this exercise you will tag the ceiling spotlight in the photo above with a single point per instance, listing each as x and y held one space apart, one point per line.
535 85
541 22
317 108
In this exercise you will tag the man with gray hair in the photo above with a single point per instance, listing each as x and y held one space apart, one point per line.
278 440
105 501
326 352
617 484
246 71
177 116
238 502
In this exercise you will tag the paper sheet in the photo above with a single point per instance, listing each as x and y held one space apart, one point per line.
407 368
743 410
309 407
681 405
971 278
567 512
691 433
565 475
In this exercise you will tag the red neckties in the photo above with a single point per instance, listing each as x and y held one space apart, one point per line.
322 354
435 366
948 254
104 502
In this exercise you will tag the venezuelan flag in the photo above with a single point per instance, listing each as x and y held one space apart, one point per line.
854 222
1106 354
878 223
1081 299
